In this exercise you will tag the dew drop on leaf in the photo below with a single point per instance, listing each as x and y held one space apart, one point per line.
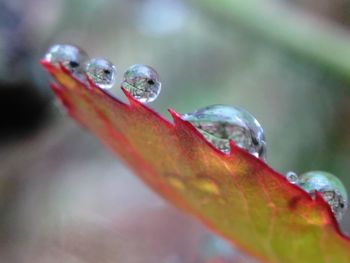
142 82
292 177
329 186
102 72
219 124
71 57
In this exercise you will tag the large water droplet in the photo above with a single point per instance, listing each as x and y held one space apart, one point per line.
219 124
102 72
142 82
71 57
329 186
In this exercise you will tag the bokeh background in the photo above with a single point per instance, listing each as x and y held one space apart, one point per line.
64 198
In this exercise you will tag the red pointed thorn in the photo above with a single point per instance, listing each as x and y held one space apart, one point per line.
233 147
91 84
178 121
127 93
319 198
133 102
189 128
176 116
143 107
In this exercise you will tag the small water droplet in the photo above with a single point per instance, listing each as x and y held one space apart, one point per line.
207 185
292 177
102 72
142 82
72 58
329 186
219 124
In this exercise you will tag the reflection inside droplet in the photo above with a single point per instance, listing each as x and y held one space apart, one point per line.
142 82
329 186
102 72
292 177
71 57
219 124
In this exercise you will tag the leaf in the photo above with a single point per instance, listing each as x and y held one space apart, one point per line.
236 195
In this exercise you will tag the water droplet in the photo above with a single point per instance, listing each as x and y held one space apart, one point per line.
72 58
219 124
142 82
102 72
292 177
329 186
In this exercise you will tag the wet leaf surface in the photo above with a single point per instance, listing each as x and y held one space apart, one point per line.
235 195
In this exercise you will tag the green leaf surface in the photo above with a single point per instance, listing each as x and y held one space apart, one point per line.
236 195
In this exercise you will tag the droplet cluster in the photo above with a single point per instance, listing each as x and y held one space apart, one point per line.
328 185
141 81
219 124
76 60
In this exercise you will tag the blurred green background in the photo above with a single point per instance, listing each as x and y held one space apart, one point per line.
64 198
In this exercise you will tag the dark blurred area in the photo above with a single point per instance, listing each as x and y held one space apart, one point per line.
64 198
23 107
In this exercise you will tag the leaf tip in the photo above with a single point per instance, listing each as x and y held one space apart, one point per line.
47 65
